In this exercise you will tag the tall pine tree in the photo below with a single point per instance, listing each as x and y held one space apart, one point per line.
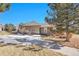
65 16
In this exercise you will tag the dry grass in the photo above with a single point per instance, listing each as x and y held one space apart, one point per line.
12 50
73 41
52 38
4 33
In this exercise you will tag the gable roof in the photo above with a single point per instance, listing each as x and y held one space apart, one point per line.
32 23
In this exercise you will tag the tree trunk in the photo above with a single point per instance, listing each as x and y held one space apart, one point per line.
67 30
67 35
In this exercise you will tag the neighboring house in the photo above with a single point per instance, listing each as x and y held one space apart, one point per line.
1 27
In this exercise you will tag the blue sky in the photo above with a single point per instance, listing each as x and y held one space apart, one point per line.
24 12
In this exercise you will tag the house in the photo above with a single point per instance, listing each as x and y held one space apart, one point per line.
36 28
31 28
